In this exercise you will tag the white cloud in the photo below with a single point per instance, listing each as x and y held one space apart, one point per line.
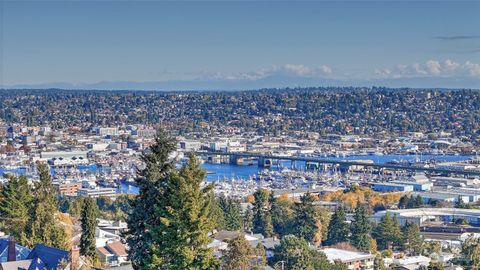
293 70
431 68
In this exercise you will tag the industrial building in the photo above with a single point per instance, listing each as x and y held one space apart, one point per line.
391 187
421 216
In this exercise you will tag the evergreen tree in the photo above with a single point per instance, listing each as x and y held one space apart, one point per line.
75 207
216 213
338 230
403 202
418 201
294 253
231 213
412 238
262 219
388 232
43 226
461 204
143 221
378 263
437 266
261 257
239 255
184 221
307 219
361 228
248 219
89 225
471 252
282 214
15 205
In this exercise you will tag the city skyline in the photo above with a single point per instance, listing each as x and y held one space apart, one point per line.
239 45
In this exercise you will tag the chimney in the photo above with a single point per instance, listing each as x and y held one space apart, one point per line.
74 256
11 253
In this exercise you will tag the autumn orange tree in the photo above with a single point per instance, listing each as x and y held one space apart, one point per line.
362 195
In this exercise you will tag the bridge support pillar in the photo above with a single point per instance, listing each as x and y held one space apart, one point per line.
312 165
265 162
236 160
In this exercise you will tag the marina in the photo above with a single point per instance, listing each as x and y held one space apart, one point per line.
242 179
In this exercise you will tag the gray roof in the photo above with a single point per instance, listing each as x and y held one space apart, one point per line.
15 265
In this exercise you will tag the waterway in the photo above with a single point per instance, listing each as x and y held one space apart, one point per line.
228 171
219 172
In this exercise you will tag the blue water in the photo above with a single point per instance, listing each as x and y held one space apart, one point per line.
223 171
228 171
244 172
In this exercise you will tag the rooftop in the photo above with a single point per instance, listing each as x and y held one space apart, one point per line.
334 254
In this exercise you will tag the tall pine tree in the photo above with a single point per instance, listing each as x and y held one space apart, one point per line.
15 205
170 222
282 212
43 226
185 222
361 228
231 213
89 224
306 223
248 219
338 230
262 219
412 238
151 182
239 255
388 232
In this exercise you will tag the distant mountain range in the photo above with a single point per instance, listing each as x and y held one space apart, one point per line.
274 81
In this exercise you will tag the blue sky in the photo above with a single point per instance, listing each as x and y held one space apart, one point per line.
240 43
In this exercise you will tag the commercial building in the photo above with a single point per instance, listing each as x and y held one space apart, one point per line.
417 186
69 189
57 158
390 187
425 215
103 131
97 192
454 181
190 145
429 197
64 155
467 195
145 133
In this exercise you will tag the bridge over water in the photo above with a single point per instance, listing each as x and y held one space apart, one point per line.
265 158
